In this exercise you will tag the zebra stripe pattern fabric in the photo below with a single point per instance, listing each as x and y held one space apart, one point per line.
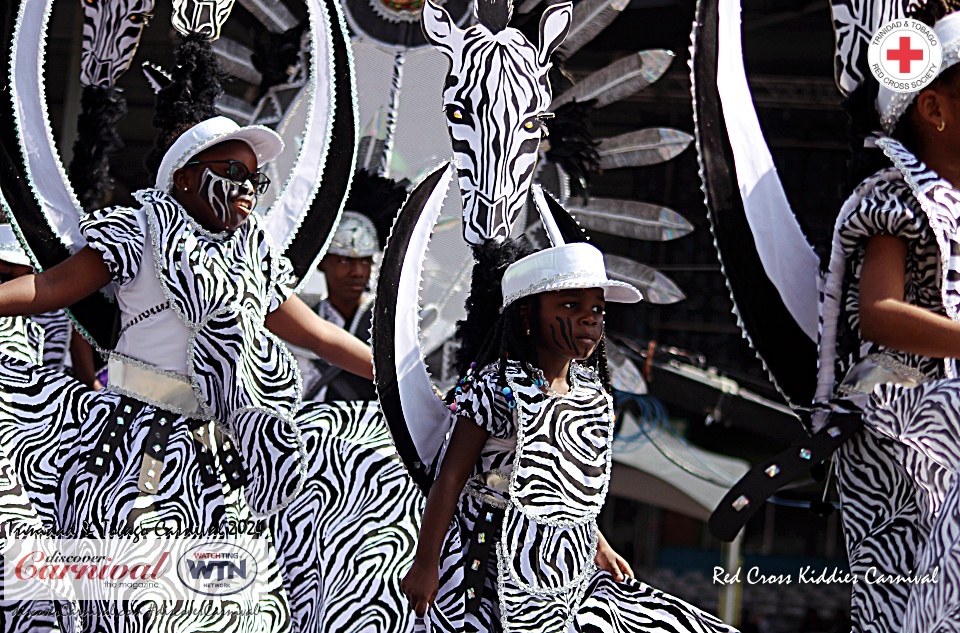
111 36
350 535
57 332
555 452
201 17
21 338
495 139
897 476
51 428
854 24
222 285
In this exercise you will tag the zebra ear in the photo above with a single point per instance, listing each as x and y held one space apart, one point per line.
439 28
554 26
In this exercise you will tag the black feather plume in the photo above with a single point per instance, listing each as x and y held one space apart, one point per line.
572 146
274 54
483 304
101 109
377 197
195 86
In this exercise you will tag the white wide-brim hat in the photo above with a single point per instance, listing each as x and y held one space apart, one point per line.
578 265
10 249
264 142
892 105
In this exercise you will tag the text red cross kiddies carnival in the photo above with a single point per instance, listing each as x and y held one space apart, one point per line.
905 55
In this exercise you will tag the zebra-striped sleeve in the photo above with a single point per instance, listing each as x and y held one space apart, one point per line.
118 234
483 402
284 284
890 210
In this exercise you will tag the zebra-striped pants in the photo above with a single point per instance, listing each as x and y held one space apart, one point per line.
901 510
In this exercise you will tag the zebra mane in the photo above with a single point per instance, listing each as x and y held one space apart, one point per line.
201 17
494 14
189 97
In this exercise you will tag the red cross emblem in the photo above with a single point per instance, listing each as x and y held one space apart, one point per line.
904 54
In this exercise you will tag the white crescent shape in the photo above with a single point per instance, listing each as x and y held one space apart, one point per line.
428 419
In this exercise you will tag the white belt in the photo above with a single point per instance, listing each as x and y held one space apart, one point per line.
161 389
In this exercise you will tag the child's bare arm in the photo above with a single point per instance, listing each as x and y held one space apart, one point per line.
887 319
421 583
59 287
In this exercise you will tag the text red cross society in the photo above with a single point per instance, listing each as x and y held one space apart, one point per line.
905 55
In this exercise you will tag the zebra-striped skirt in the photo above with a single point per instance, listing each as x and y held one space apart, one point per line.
351 534
80 468
601 605
901 509
338 549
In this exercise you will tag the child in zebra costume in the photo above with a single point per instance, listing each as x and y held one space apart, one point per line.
889 334
204 301
509 539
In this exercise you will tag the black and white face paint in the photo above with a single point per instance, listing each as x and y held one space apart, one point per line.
227 198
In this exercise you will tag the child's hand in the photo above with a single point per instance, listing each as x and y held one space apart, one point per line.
420 586
608 560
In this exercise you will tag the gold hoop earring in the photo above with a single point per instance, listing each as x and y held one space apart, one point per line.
942 126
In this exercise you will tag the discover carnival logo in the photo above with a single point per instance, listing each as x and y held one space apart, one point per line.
123 569
904 55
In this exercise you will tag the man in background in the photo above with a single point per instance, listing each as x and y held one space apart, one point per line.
347 267
364 226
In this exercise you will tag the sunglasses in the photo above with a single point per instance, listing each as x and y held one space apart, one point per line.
238 172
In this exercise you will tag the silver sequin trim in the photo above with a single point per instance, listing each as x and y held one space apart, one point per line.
557 282
472 490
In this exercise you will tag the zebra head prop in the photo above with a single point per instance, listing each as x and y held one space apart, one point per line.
201 17
854 24
111 35
496 96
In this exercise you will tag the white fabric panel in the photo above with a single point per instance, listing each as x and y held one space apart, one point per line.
169 337
787 258
44 170
427 418
306 134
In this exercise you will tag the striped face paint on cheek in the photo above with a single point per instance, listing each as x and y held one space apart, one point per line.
218 192
223 195
562 335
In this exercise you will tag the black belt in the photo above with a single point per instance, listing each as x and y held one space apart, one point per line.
117 425
486 532
155 449
749 494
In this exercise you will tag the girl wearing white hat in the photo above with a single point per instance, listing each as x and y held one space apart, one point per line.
889 337
509 538
197 427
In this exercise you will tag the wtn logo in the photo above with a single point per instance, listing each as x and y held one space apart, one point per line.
225 570
218 568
